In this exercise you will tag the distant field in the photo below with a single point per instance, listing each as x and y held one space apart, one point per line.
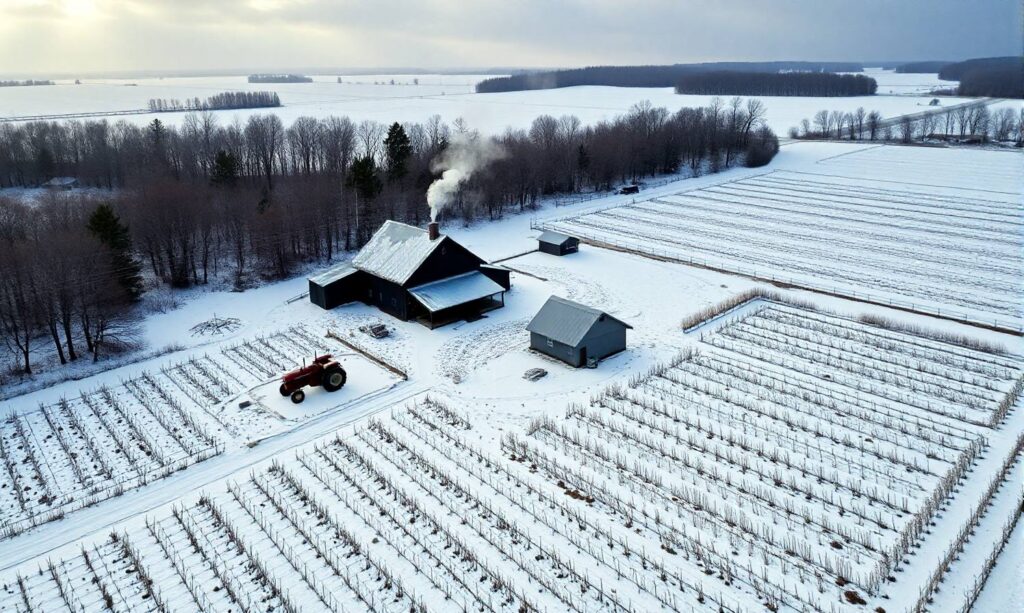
950 249
451 96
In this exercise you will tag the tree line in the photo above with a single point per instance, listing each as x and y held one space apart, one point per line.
998 77
926 67
646 76
962 123
26 83
724 82
241 203
221 101
279 78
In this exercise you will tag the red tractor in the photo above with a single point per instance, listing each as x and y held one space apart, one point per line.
324 371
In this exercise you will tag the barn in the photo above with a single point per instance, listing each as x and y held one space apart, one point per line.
576 334
557 243
414 274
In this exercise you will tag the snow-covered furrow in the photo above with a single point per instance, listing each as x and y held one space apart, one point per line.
787 410
908 284
890 343
843 402
923 242
952 266
834 368
924 193
819 351
911 201
930 215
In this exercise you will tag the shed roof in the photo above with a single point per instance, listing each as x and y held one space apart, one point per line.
453 291
553 238
395 251
566 321
61 182
334 273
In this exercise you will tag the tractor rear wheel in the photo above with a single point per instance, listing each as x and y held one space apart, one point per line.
298 396
334 379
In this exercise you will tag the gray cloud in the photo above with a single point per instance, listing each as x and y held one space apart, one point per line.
93 35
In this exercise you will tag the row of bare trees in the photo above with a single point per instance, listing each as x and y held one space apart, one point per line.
964 123
246 202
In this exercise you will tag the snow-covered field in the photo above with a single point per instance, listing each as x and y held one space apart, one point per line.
100 442
775 458
942 233
451 96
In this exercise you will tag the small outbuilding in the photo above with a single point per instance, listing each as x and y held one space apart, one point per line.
61 183
576 334
557 243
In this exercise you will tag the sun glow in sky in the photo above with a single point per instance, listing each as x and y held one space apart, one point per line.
53 38
79 8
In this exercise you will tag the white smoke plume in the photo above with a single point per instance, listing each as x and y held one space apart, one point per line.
466 154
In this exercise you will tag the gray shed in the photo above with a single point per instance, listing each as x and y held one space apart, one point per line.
576 334
557 243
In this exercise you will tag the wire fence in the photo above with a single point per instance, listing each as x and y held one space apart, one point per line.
1012 326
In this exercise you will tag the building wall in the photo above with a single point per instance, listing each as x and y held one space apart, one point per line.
387 296
448 260
603 342
559 351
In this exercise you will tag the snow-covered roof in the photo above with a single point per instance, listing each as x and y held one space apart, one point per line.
61 182
335 273
553 238
453 291
566 321
395 251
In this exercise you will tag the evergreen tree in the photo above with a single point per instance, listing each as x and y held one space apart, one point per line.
105 225
363 178
225 169
398 150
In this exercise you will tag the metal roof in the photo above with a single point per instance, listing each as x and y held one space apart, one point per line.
566 321
334 273
554 238
453 291
395 251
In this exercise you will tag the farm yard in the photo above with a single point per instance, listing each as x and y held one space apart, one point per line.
81 450
941 250
798 452
740 475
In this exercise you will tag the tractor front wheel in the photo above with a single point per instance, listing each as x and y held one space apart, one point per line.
334 379
298 396
284 390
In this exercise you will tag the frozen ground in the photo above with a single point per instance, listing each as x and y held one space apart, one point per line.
793 458
449 96
931 229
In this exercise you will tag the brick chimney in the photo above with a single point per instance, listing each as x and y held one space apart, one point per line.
433 231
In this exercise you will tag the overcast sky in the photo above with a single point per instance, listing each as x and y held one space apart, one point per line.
44 37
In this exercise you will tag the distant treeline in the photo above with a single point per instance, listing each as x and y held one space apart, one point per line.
956 71
971 123
222 101
922 67
646 76
998 77
279 78
24 83
732 83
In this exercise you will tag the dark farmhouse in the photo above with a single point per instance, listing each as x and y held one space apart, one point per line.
412 273
576 334
557 243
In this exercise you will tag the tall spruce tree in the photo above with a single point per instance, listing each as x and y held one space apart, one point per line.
106 226
398 150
